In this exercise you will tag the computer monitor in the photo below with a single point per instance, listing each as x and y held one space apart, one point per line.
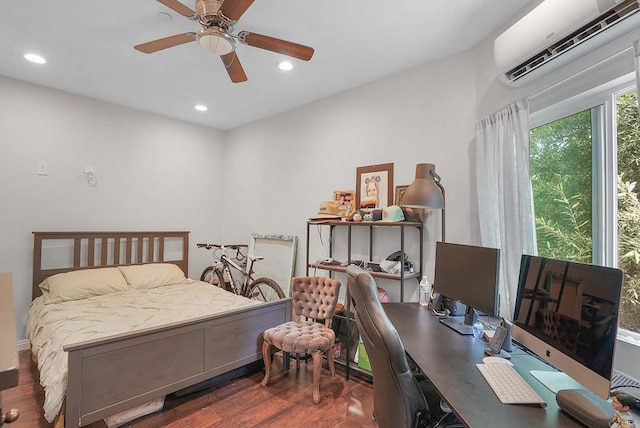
467 274
567 314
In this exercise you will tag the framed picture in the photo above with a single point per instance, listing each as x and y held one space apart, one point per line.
346 200
279 262
374 186
411 214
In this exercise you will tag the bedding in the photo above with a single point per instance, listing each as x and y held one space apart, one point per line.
83 283
63 318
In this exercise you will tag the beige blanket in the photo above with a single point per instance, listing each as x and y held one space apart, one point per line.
51 326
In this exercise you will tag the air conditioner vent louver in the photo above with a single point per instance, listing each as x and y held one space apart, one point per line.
585 33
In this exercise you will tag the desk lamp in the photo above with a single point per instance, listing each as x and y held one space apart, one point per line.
426 191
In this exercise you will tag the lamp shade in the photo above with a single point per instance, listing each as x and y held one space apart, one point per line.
216 41
425 191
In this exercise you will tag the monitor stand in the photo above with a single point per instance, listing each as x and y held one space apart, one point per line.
457 324
555 381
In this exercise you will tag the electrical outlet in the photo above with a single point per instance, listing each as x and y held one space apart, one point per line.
43 168
88 170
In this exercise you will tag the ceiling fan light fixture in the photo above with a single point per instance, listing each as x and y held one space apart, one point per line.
216 41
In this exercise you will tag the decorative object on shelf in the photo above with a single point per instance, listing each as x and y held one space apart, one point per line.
327 210
374 186
410 214
345 200
392 213
426 191
376 215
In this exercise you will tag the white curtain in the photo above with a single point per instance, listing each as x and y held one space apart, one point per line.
505 198
636 50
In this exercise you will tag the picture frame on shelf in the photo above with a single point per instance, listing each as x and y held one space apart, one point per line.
410 214
345 200
374 186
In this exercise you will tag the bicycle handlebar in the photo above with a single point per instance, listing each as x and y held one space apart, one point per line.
236 247
230 246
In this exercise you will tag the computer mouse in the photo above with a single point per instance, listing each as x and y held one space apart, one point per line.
496 360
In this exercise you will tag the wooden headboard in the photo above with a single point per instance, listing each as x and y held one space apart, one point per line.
87 250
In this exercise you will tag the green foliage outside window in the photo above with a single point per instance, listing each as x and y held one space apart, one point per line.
629 208
561 181
561 172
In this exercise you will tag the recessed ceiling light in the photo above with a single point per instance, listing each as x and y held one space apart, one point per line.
285 65
165 17
35 58
200 107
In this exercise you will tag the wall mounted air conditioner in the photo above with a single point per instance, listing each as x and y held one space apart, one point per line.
557 32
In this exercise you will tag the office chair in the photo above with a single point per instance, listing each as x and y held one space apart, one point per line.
399 400
314 299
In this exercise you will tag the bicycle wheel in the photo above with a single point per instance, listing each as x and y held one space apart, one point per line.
214 276
265 290
206 274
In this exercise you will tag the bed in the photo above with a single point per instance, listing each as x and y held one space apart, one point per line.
153 344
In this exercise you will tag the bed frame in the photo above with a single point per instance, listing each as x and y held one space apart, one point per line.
112 374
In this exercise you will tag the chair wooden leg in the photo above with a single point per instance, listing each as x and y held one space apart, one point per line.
266 357
317 366
332 368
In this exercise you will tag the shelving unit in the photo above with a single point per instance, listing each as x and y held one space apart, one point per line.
347 351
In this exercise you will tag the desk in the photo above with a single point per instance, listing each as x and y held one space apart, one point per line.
448 359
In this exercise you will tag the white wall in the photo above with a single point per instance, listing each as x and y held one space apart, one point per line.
153 173
292 162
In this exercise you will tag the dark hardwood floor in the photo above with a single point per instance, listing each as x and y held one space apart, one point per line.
242 402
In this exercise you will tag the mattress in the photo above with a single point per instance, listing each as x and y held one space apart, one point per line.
51 326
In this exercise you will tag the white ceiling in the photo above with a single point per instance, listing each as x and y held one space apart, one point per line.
89 48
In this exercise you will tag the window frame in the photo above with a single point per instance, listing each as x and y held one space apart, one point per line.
605 171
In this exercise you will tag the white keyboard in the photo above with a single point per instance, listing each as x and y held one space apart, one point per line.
508 385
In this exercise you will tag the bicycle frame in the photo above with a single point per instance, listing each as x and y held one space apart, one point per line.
247 273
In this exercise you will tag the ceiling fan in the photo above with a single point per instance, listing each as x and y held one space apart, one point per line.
218 19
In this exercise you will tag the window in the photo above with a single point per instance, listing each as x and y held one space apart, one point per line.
585 172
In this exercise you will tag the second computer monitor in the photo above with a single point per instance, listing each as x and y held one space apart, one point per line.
468 274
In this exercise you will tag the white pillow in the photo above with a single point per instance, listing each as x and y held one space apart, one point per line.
152 275
81 284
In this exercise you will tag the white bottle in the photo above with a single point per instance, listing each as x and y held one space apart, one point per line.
425 291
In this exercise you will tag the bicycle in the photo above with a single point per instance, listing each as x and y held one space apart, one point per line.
220 274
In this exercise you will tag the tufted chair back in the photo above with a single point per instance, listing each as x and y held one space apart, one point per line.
315 297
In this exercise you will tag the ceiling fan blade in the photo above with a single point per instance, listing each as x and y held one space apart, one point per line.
179 7
167 42
234 9
234 68
276 45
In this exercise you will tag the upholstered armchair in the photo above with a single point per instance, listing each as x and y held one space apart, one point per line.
314 300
